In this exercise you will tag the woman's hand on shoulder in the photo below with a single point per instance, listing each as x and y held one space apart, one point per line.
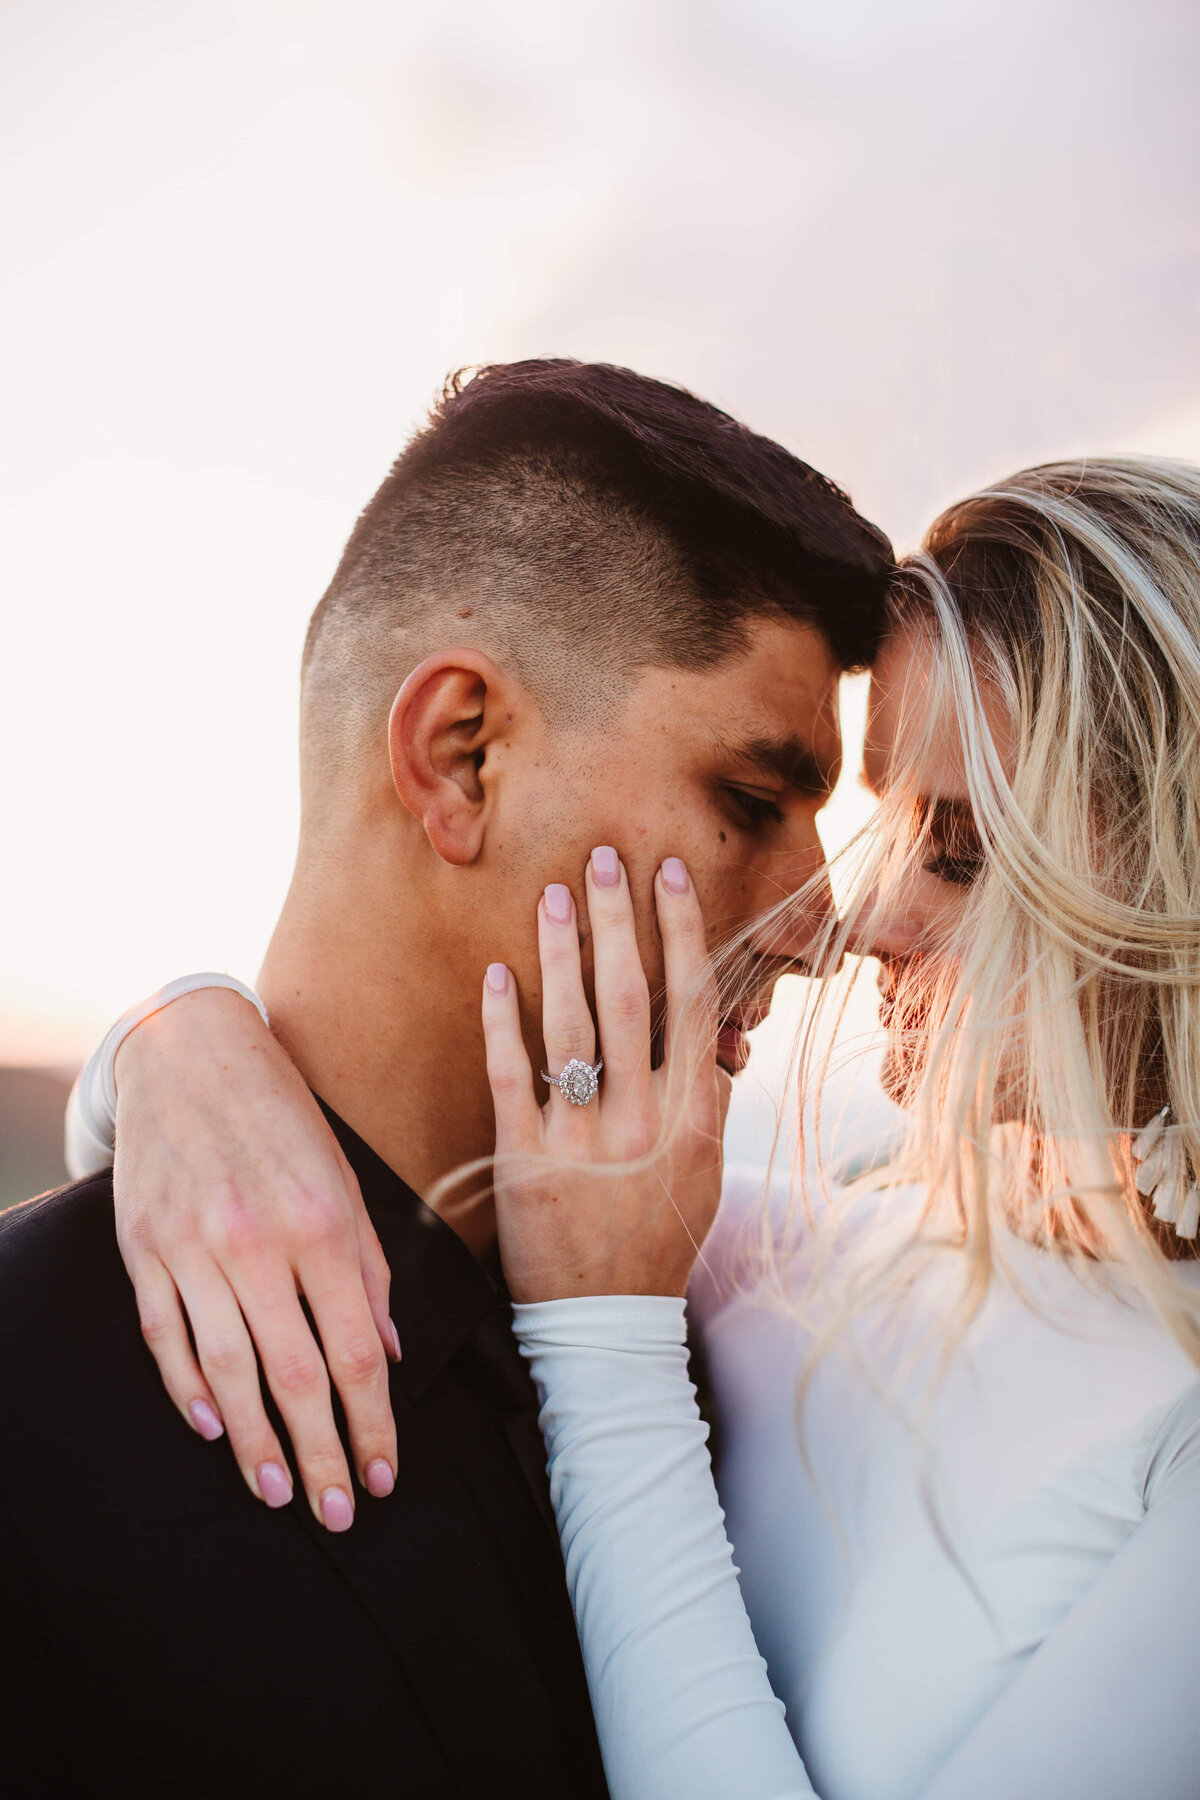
617 1195
233 1203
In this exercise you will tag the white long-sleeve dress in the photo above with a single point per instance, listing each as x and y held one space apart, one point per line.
1005 1607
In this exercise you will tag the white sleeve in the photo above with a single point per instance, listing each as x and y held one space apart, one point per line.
1104 1709
683 1706
91 1122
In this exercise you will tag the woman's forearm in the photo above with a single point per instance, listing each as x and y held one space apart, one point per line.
681 1696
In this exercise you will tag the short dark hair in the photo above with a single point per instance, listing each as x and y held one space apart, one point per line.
581 512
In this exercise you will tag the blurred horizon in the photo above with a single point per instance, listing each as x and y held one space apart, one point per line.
921 244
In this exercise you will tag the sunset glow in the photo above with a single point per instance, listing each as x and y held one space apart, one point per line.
244 244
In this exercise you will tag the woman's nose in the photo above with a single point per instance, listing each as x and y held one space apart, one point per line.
877 926
860 925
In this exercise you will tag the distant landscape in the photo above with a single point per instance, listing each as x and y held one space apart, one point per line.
31 1131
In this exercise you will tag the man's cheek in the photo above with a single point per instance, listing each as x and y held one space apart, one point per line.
727 902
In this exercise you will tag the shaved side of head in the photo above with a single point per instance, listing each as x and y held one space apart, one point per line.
578 523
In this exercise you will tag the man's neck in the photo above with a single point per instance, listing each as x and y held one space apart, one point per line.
377 1027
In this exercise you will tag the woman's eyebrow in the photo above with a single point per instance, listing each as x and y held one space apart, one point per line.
955 807
950 806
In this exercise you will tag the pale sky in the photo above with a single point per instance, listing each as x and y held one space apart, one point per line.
920 241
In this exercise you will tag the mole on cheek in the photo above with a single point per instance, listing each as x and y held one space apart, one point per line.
721 835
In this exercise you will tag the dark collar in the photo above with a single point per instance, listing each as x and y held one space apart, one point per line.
439 1293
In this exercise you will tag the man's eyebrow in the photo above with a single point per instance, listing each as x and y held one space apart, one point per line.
789 760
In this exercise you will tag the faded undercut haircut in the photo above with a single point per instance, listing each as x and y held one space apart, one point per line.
580 522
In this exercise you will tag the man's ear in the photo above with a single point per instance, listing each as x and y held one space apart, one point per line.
445 718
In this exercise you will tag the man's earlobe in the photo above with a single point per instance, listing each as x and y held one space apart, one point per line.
437 741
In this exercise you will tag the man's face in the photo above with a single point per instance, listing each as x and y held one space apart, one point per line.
726 768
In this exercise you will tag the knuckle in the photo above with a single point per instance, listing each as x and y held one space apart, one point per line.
378 1273
223 1357
628 1002
298 1373
321 1468
560 949
156 1326
320 1221
377 1269
359 1360
135 1232
232 1224
575 1039
253 1443
505 1077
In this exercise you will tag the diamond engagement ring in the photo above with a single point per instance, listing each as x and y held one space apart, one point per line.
578 1082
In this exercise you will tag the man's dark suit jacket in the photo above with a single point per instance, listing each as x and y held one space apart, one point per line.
163 1633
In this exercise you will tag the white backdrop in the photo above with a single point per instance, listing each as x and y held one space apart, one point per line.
921 241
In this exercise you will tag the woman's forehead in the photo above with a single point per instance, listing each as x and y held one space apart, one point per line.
913 722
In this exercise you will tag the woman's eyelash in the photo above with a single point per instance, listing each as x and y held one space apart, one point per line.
755 809
961 870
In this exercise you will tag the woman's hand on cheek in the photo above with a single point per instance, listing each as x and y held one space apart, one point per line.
616 1196
233 1200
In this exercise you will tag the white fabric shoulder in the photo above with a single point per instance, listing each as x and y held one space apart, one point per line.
730 1255
91 1122
761 1205
1103 1708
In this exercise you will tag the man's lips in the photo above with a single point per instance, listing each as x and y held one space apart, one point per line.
733 1048
747 1010
733 1045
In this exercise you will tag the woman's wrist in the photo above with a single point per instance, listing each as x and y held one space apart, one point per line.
604 1358
212 1008
92 1112
210 995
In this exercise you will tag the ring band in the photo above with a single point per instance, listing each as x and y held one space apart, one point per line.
578 1082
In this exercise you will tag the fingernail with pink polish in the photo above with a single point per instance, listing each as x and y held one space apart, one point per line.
394 1338
205 1420
675 876
274 1484
497 978
558 903
606 866
337 1513
380 1480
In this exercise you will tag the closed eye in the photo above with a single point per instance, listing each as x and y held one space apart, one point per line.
754 811
962 871
955 853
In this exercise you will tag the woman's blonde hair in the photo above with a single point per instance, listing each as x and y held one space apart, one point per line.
1066 1010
